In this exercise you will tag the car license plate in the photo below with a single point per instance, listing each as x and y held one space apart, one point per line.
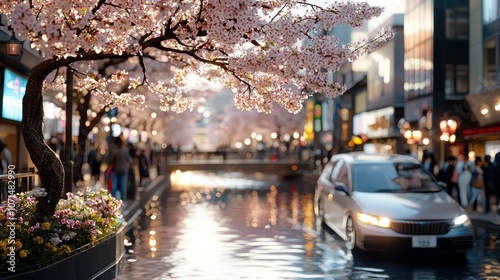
426 241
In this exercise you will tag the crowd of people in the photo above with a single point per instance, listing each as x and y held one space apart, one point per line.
470 182
123 160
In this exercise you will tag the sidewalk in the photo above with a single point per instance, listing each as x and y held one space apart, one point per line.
486 219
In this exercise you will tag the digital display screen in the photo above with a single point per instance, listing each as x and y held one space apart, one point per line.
14 87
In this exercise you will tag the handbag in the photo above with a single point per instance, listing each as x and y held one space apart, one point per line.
109 179
478 183
454 177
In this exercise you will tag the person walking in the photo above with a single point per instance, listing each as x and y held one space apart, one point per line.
5 161
121 161
464 183
6 157
496 180
429 162
476 190
445 174
144 164
131 183
94 160
489 189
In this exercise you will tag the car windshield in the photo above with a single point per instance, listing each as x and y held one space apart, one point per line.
392 177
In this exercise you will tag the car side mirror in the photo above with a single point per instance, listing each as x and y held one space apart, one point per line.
341 187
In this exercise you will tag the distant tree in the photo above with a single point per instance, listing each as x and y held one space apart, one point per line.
227 129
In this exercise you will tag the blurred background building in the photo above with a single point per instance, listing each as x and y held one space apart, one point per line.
433 88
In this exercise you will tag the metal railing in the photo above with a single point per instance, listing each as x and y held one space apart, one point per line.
23 182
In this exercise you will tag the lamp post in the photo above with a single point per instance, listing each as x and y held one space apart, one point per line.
13 47
68 144
448 128
413 136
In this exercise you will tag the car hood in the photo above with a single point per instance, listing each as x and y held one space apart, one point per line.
426 206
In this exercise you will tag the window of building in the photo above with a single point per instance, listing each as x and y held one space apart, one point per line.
450 80
462 23
457 80
490 63
462 81
450 24
457 23
490 11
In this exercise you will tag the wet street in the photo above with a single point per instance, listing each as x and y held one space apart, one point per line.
235 226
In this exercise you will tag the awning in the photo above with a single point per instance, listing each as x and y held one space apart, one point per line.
485 101
482 130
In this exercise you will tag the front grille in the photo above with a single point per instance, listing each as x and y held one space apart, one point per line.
420 227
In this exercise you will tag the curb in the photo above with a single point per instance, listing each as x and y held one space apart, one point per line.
135 209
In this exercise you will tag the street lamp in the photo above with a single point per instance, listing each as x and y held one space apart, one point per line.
13 47
448 128
413 136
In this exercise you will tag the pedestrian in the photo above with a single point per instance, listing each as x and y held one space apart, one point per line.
476 191
429 163
6 157
144 165
5 161
121 161
94 159
464 183
459 164
131 183
445 174
489 189
496 180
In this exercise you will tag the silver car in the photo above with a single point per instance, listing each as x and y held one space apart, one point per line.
379 202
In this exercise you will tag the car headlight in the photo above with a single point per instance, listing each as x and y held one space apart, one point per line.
374 221
461 220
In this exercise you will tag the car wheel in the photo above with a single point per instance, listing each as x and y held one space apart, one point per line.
350 232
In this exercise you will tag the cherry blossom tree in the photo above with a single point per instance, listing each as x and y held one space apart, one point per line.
107 81
226 129
250 46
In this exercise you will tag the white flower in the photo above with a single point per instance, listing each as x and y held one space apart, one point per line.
55 240
38 192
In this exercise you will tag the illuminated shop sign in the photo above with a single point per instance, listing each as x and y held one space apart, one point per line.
374 124
14 87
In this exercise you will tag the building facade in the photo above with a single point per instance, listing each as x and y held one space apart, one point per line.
406 93
436 81
14 73
484 97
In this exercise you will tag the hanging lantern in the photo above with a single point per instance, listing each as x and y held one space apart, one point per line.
13 47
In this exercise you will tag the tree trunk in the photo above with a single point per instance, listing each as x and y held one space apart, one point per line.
50 167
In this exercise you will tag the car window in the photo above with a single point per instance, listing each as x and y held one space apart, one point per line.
391 177
327 171
343 175
331 171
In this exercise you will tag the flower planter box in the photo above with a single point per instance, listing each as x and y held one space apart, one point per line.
89 262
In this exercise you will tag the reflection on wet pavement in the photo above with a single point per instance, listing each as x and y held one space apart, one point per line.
226 227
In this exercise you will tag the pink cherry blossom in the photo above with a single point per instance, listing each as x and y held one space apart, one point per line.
247 45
